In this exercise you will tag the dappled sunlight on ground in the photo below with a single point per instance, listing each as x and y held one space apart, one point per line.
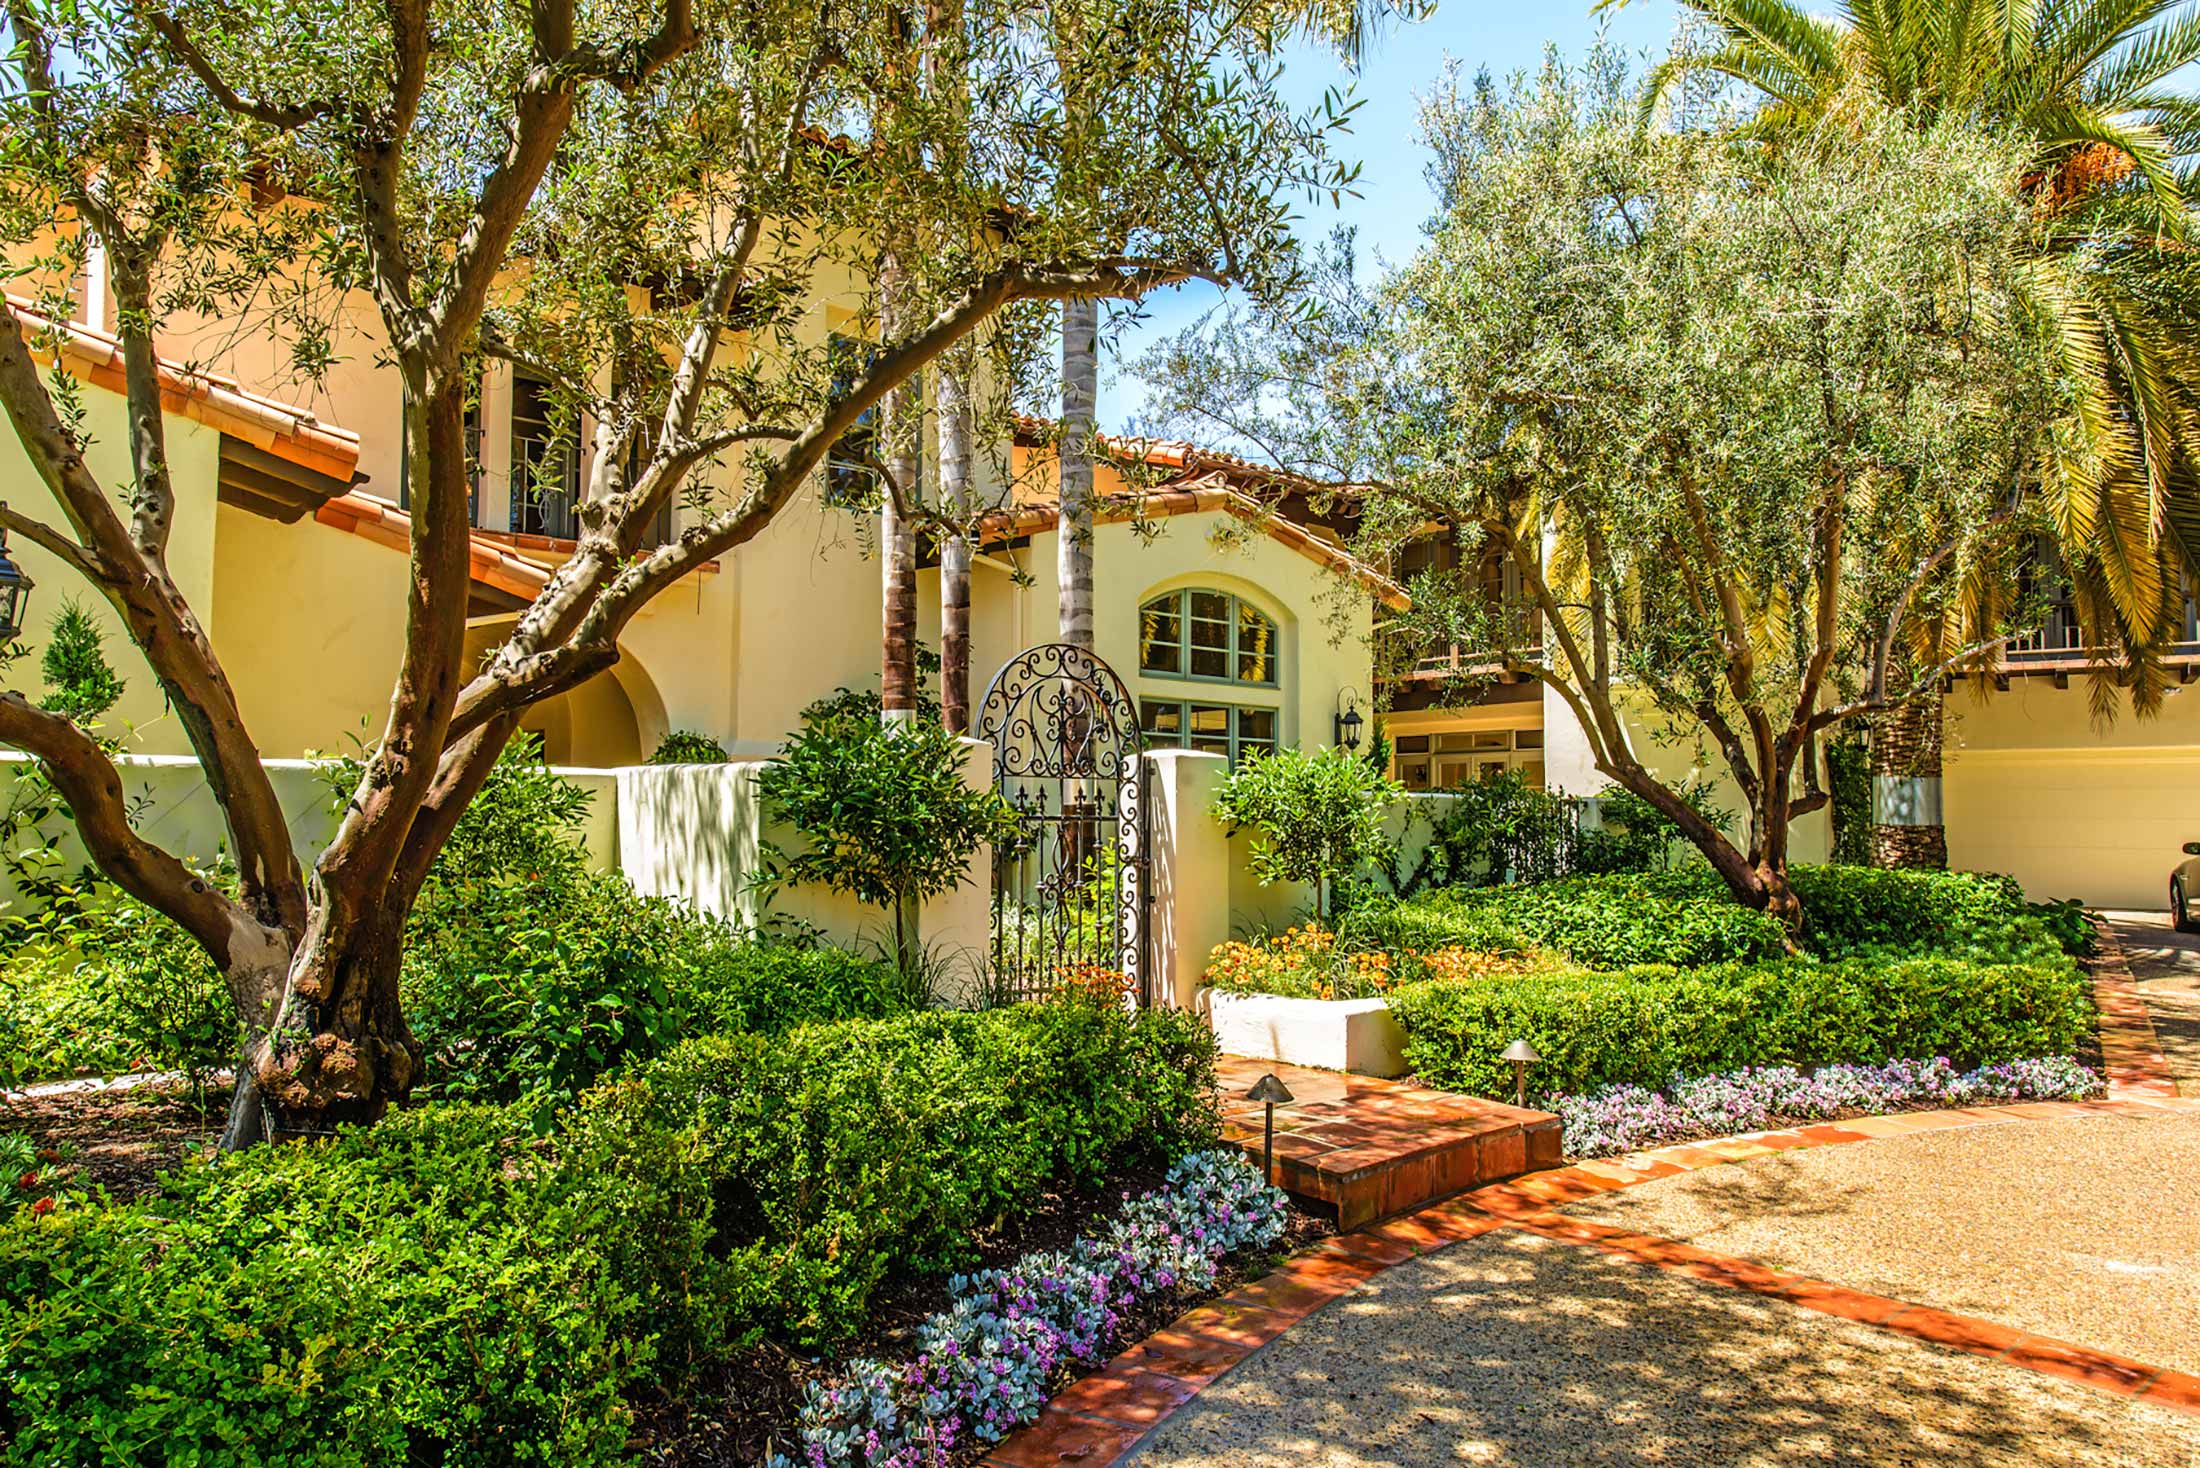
1514 1349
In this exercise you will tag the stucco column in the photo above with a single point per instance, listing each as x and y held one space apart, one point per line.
1191 869
956 928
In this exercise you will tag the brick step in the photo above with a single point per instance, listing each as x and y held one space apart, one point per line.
1374 1148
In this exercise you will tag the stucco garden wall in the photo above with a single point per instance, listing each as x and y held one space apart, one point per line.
172 806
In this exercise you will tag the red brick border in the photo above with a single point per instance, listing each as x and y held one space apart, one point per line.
2131 1053
1097 1421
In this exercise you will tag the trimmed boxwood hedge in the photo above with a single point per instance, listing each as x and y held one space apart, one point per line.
1645 1025
446 1287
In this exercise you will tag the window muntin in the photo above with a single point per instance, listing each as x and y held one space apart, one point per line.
1210 728
1210 636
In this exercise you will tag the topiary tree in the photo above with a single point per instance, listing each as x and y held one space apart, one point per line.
1319 816
885 809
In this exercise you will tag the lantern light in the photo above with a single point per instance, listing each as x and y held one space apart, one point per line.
15 589
1349 722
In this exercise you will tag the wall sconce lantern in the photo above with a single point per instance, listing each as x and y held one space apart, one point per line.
1268 1091
15 595
1349 722
1522 1055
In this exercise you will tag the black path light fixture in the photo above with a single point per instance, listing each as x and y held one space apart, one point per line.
1349 721
15 593
1269 1092
1522 1055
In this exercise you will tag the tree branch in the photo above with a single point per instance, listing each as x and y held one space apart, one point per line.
89 782
196 61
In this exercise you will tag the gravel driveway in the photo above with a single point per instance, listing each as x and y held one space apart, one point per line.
1515 1349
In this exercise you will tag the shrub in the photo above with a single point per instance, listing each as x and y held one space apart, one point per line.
1643 1026
1319 815
1687 918
836 1152
885 811
435 1289
532 991
1602 922
116 987
1310 962
766 987
686 747
1632 835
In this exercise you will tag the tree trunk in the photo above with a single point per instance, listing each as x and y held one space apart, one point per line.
1073 524
955 553
1907 830
897 541
340 1051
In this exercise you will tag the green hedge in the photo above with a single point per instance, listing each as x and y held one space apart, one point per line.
446 1287
1647 1025
438 1288
1688 919
837 1152
1603 922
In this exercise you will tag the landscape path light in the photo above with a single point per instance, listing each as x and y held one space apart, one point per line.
1268 1091
1522 1055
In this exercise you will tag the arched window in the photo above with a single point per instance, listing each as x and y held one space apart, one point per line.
1209 635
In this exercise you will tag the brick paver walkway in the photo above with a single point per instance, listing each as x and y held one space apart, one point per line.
2165 969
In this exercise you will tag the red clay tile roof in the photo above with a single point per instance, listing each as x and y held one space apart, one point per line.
283 429
1196 494
382 522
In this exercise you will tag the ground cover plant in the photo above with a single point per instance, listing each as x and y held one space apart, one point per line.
1626 1118
987 1363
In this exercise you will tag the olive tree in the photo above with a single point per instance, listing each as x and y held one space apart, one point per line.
640 201
1759 431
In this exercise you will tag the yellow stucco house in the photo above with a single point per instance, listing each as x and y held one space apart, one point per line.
1235 629
1227 604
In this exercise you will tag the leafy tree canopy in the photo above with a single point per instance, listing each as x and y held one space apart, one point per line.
1743 422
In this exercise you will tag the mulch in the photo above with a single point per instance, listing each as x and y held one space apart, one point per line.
743 1408
118 1139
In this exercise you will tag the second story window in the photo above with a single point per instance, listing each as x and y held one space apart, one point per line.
1208 635
546 461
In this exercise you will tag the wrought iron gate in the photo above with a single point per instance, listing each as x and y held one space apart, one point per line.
1070 890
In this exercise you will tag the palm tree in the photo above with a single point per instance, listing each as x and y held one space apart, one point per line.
2112 159
1346 27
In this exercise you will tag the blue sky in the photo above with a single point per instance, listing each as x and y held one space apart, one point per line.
1403 65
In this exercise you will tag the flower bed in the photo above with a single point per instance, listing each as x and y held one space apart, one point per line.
984 1365
1628 1118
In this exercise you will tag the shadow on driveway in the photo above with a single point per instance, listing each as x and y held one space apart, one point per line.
1516 1350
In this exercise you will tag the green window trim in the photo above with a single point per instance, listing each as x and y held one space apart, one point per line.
1207 636
1230 730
